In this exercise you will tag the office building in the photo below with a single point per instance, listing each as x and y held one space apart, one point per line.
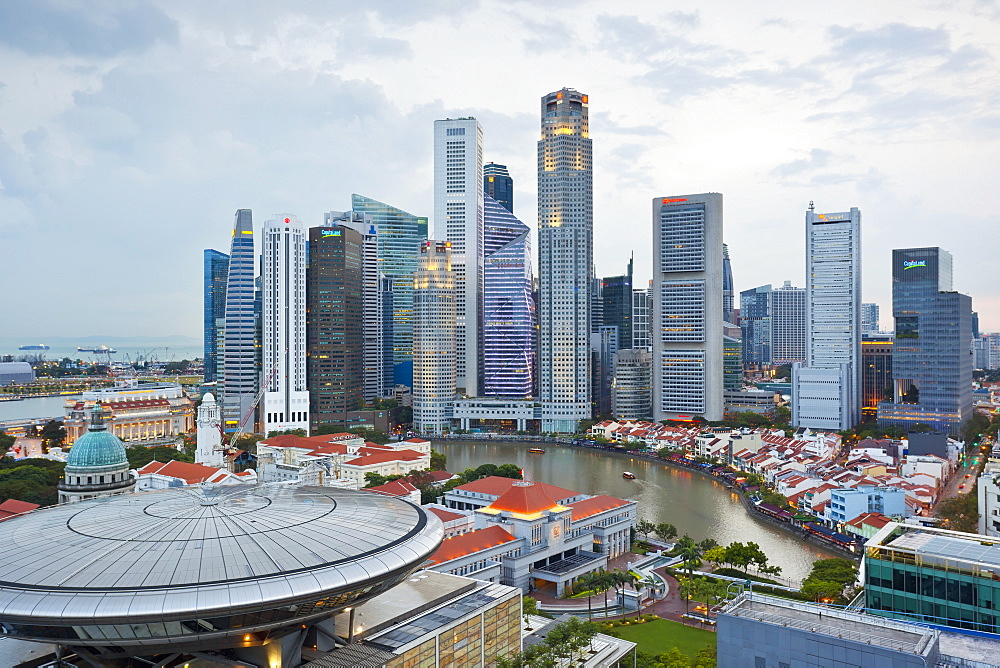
565 259
931 360
876 372
215 269
988 490
604 345
788 325
285 403
687 333
728 293
376 306
847 504
458 219
986 349
826 390
755 325
335 318
933 575
631 391
732 362
509 318
241 336
869 318
617 305
435 364
641 306
400 236
498 185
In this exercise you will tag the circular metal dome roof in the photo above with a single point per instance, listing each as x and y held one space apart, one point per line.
97 450
194 554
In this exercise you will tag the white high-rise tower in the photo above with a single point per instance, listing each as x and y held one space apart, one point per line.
565 259
434 359
686 321
283 282
826 391
458 219
209 439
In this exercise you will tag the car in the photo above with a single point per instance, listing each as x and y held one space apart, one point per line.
968 475
961 486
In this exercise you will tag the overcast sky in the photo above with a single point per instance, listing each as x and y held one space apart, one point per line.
130 132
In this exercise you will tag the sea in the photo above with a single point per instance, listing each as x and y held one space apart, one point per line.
135 349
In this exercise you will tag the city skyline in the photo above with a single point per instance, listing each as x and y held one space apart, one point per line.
115 135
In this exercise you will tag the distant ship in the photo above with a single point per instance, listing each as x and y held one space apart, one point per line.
37 346
98 349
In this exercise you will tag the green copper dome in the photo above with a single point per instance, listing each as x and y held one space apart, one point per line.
98 448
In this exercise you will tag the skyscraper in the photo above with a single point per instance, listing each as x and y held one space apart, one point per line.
616 305
631 395
458 219
434 346
509 316
686 323
335 320
826 391
498 185
400 236
640 318
788 324
604 346
876 371
241 345
565 259
931 359
216 274
728 292
283 283
755 324
869 318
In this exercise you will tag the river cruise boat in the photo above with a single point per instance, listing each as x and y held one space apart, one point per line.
628 475
536 451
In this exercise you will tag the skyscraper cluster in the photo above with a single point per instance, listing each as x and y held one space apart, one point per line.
372 303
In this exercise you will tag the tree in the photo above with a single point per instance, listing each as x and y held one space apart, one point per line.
645 527
687 588
715 555
373 435
286 432
439 461
6 442
689 551
587 582
825 591
673 658
53 434
707 544
139 455
665 531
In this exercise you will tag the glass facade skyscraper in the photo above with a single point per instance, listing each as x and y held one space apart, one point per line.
728 314
241 342
616 305
498 185
931 360
509 312
755 324
400 236
216 274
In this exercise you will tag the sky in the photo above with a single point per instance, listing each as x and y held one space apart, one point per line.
130 132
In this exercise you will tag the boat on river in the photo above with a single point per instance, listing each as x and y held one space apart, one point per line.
628 475
536 451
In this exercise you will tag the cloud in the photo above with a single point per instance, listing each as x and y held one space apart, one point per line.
897 41
817 159
608 125
823 168
98 30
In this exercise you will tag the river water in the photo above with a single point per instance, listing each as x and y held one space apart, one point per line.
696 504
37 407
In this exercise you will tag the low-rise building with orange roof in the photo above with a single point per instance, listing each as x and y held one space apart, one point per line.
866 524
455 524
397 488
161 475
12 508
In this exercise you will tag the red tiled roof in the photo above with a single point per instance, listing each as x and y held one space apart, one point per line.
524 498
369 457
446 515
12 508
496 486
470 543
145 403
189 473
393 488
594 505
416 440
877 520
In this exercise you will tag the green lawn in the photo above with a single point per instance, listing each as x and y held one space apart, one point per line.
659 635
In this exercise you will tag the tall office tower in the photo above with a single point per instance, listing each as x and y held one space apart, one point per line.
616 305
876 372
596 304
458 218
788 325
732 359
869 318
755 325
603 345
283 283
565 259
686 322
400 236
498 185
241 337
728 293
377 364
435 358
216 274
509 315
335 324
826 390
640 319
631 392
992 345
975 325
931 360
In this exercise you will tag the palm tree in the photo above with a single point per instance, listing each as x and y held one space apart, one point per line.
588 582
689 551
605 581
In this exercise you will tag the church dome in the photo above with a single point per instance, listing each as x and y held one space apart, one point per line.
98 449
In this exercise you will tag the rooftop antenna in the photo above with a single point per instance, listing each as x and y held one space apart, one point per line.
812 206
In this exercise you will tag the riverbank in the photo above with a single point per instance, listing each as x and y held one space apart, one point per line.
713 473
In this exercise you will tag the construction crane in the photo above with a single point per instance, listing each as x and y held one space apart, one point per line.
230 443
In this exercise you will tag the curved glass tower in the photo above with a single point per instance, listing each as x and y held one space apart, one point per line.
241 350
509 314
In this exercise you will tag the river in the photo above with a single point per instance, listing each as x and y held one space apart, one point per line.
696 504
37 407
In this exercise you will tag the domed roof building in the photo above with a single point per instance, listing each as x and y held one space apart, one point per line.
97 465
